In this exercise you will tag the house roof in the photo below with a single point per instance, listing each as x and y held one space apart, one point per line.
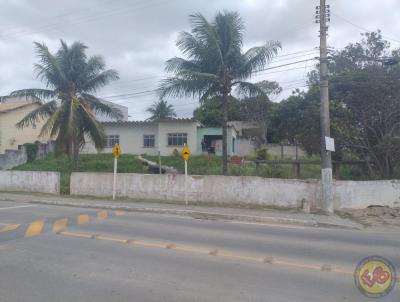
6 107
139 123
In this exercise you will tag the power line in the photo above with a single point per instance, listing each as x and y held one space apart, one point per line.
119 11
363 28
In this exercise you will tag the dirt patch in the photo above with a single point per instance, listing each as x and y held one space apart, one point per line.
374 216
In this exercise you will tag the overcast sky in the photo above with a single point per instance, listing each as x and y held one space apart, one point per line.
136 37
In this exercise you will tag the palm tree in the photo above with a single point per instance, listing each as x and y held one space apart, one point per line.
161 110
216 64
69 105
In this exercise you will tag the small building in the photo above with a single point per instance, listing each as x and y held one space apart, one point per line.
11 112
164 136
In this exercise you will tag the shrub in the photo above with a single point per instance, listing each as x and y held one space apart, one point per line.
31 151
262 154
175 153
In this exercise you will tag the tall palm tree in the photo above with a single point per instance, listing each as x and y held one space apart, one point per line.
161 110
216 64
69 105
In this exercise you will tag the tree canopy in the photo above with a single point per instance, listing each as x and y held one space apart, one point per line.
215 64
69 105
161 110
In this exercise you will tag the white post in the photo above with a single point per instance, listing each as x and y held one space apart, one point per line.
186 180
115 176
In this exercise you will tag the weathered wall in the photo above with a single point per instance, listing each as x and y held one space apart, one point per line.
361 194
237 189
232 189
12 158
30 181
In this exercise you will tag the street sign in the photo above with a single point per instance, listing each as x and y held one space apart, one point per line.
116 151
185 152
329 144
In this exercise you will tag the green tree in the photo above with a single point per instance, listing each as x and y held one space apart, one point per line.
216 64
161 110
69 105
210 111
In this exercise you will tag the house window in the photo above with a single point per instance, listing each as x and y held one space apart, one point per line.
177 139
149 141
111 140
233 145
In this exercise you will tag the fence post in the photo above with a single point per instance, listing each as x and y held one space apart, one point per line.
296 169
297 151
282 151
336 170
257 169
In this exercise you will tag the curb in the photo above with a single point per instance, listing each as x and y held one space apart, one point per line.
203 214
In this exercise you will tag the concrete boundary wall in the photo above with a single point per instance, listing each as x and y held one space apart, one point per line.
30 181
237 189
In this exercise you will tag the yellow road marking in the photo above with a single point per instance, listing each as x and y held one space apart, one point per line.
9 227
35 228
102 215
119 213
60 224
111 239
82 219
214 252
79 235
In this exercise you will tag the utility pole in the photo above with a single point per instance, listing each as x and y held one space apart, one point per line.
322 17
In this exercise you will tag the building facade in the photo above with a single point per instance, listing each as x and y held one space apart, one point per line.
11 137
164 136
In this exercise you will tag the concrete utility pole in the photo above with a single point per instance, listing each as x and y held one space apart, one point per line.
323 12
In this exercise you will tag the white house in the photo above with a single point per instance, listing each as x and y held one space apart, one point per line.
164 136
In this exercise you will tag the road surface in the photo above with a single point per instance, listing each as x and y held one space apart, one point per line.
118 256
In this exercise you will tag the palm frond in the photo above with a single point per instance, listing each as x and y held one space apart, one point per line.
38 114
99 80
49 70
40 94
257 57
249 89
179 64
183 87
97 106
91 128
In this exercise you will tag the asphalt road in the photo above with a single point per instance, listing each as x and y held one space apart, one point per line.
153 257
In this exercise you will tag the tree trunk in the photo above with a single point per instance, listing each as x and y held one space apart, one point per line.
225 133
76 156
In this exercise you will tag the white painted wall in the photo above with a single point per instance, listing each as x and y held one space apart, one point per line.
188 127
30 181
238 189
361 194
131 138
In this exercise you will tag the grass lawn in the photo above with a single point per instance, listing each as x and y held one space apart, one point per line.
87 163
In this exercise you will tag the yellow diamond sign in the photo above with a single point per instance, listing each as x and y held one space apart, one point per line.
185 152
116 150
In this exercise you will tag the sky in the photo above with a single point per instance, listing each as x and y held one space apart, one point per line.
136 37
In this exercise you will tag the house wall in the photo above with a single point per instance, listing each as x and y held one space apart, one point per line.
181 127
202 131
11 136
130 139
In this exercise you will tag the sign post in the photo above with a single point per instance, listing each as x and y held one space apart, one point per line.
116 152
185 154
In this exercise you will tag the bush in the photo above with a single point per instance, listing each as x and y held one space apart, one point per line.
31 151
175 153
262 154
